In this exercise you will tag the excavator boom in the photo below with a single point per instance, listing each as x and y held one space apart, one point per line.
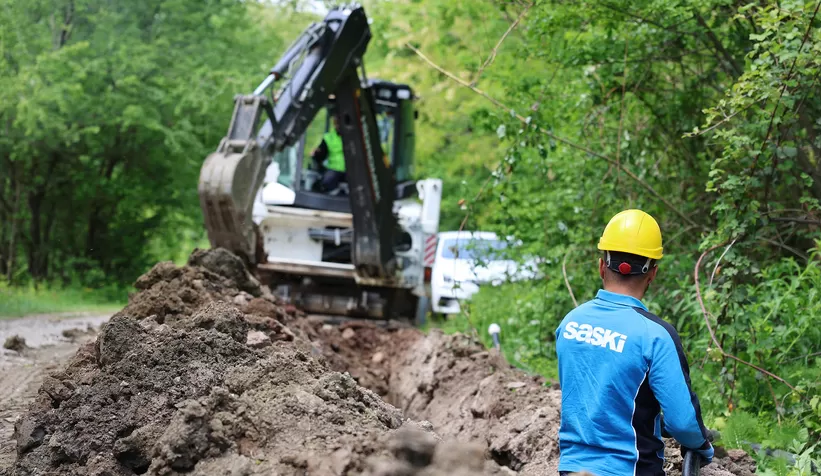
325 60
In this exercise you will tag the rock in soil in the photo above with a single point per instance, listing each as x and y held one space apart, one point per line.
15 343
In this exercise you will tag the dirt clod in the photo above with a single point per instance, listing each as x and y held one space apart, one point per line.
15 343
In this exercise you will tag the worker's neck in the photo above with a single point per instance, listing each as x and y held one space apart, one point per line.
627 290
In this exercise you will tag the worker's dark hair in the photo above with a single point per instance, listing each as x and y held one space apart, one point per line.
627 267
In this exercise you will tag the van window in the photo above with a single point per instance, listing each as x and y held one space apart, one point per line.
455 248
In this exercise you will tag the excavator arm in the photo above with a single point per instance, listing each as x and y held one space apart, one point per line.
325 60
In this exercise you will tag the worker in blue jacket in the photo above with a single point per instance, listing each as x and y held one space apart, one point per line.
621 366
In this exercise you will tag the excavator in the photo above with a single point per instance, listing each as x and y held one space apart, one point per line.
364 249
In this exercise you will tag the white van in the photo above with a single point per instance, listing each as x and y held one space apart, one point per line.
465 261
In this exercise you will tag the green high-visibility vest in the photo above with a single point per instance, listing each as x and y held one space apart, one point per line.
336 158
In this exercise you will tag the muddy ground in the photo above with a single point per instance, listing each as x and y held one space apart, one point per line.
204 372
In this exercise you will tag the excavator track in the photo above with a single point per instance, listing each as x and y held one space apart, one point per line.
401 323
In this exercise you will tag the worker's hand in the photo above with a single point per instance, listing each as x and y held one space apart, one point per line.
706 455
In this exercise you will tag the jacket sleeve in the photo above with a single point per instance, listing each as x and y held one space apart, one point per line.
670 381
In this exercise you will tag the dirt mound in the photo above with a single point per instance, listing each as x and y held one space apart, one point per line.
228 265
167 292
166 399
419 453
172 386
469 393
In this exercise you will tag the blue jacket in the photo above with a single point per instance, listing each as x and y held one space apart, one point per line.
619 366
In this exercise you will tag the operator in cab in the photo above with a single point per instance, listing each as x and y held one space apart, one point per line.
621 366
333 172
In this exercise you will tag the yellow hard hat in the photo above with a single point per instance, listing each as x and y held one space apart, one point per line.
632 231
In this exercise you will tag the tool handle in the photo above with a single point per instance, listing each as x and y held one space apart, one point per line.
692 464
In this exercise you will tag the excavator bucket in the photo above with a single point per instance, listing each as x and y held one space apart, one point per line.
229 180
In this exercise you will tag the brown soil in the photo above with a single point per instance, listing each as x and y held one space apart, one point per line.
725 462
204 372
468 393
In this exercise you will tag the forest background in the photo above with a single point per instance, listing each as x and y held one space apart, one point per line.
543 119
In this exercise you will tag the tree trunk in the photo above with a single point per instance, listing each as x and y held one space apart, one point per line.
10 263
96 224
38 249
35 203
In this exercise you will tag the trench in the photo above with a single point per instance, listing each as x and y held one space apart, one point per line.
471 394
464 391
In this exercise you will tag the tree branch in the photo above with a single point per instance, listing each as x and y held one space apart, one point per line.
566 281
726 119
808 221
671 28
788 248
495 50
715 268
569 143
710 327
719 46
621 113
814 354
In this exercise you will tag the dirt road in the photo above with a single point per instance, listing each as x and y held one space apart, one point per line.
51 340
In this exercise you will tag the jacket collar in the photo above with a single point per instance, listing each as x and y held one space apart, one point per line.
621 299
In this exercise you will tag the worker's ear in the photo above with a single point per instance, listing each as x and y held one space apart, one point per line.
652 274
601 268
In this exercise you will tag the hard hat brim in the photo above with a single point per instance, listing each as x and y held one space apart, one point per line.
647 253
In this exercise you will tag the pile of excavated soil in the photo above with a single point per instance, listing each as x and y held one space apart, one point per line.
468 393
205 373
189 379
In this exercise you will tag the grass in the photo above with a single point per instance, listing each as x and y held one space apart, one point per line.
22 301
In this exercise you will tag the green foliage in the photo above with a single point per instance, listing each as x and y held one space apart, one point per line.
771 322
108 110
762 440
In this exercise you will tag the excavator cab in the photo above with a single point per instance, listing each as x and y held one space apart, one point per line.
293 166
